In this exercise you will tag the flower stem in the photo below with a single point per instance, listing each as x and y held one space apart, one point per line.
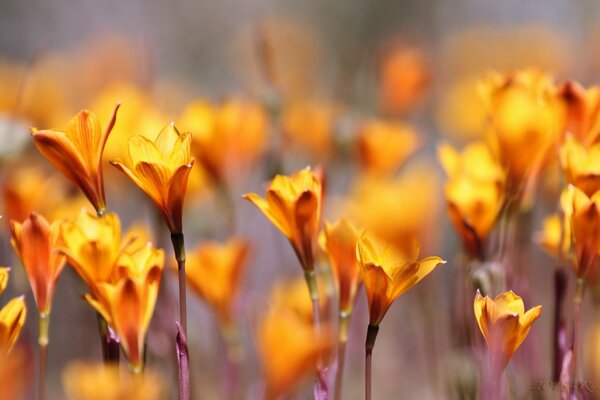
344 319
577 300
560 286
372 331
179 249
44 325
320 388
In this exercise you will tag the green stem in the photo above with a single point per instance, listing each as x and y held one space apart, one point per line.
44 325
179 249
372 331
344 319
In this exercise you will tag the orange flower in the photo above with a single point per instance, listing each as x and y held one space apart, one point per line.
36 241
293 204
289 350
388 271
340 246
583 214
128 304
161 169
383 146
504 324
583 111
581 165
555 236
77 153
215 272
12 317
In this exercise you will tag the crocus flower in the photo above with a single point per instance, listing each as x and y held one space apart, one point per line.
77 153
581 165
555 235
12 317
293 204
388 271
161 169
504 324
214 271
583 111
128 304
36 241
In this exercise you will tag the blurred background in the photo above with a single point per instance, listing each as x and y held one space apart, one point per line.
315 73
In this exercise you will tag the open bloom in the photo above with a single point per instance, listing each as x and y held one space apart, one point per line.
340 245
12 317
214 271
583 214
128 304
583 111
161 169
388 271
36 241
504 323
293 204
581 165
77 153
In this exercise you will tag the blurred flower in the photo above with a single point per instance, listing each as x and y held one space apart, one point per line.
581 165
77 153
555 236
388 271
215 272
383 146
403 78
13 375
92 246
161 169
35 241
3 278
293 296
82 382
583 111
310 125
288 349
293 204
339 242
12 319
474 193
583 214
504 324
128 304
228 137
526 121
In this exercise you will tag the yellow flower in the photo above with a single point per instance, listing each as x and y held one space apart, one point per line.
555 236
12 318
581 165
161 169
215 272
92 246
77 153
340 245
293 204
288 349
294 296
526 120
583 214
383 146
3 278
583 111
81 382
128 304
388 271
503 323
35 242
474 193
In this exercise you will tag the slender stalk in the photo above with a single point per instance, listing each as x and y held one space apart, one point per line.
108 340
344 318
320 388
179 249
372 331
44 325
560 286
234 356
577 300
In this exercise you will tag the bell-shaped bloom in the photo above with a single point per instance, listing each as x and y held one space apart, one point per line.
227 137
310 125
12 319
583 214
340 246
583 111
215 271
526 118
555 236
161 169
293 204
92 246
383 146
77 153
504 324
389 271
288 349
128 304
36 242
581 165
474 193
81 382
